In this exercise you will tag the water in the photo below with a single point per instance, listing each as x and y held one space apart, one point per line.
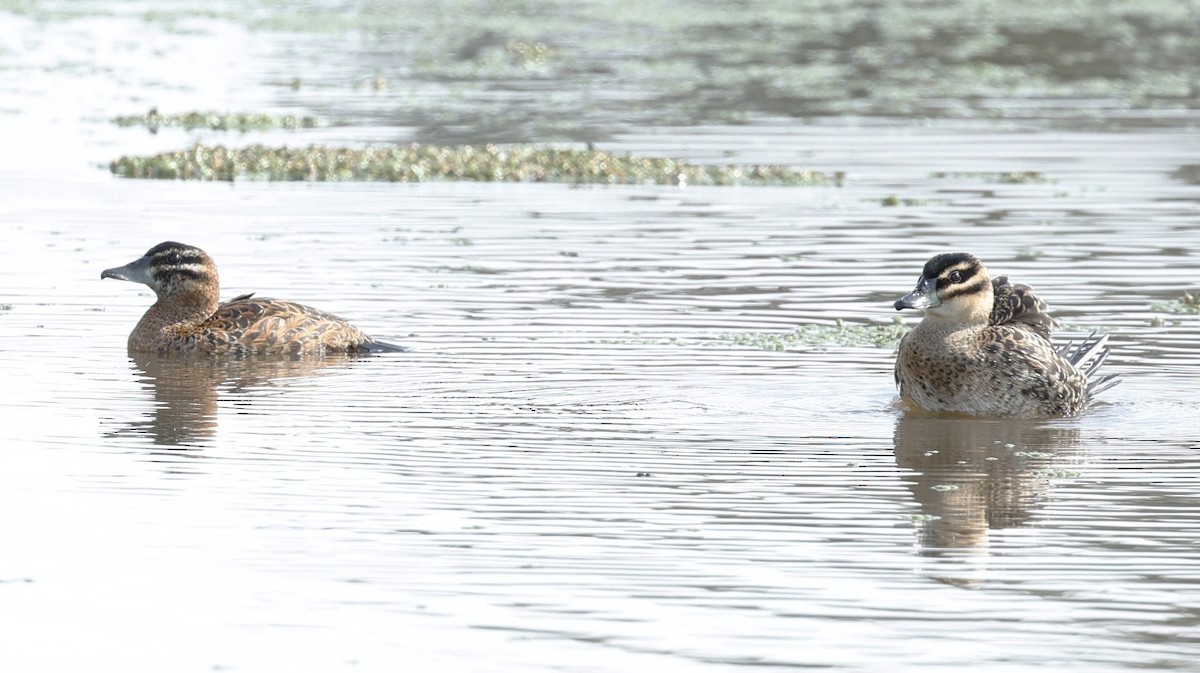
581 466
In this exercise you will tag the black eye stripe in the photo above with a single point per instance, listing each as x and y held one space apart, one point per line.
194 274
181 259
959 290
966 275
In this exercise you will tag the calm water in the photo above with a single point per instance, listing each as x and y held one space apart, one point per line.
581 466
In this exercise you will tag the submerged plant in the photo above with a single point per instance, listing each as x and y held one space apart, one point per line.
420 163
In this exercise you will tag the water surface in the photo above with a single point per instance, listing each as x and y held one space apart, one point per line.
580 467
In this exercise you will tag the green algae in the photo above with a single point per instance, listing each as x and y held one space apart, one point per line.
1081 327
813 335
217 121
1004 178
528 54
891 200
840 333
1188 303
420 163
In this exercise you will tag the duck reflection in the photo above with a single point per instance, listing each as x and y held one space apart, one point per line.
975 475
187 389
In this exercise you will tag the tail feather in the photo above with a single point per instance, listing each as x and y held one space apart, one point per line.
1087 356
1102 384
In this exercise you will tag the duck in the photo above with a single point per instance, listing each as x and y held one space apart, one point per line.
983 348
187 316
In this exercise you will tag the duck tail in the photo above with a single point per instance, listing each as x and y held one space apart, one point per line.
1087 356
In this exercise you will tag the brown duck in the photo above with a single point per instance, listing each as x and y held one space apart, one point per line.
188 318
984 349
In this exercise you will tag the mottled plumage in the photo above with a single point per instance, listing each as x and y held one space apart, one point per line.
187 318
1018 305
984 349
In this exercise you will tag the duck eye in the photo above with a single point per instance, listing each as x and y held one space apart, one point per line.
955 276
173 258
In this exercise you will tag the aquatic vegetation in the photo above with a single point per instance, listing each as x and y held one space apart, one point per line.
918 518
528 54
1081 327
376 83
419 163
1056 473
217 121
696 62
1045 455
840 333
1004 178
1188 303
893 200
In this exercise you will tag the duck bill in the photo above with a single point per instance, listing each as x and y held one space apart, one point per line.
924 296
137 271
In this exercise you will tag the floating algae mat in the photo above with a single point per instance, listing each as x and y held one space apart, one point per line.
1009 178
839 334
217 121
1190 303
418 163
